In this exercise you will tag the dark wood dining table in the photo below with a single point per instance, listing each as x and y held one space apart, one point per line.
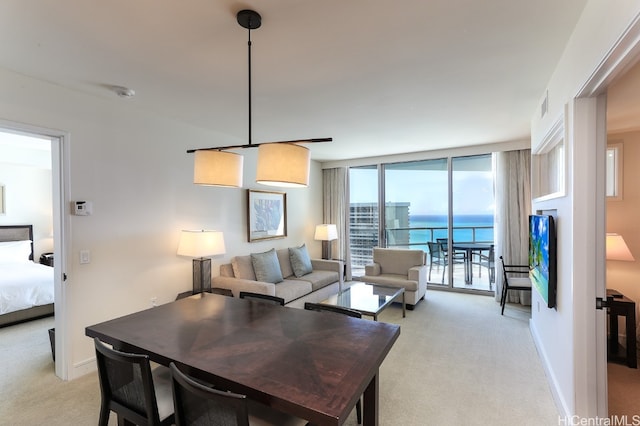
469 248
309 364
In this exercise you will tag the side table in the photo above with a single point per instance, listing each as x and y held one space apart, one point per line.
620 305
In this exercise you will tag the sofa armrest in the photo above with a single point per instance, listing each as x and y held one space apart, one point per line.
329 265
372 269
418 273
236 285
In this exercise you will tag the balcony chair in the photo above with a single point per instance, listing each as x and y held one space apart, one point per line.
513 283
131 389
487 261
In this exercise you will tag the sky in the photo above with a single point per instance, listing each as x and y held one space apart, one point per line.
426 190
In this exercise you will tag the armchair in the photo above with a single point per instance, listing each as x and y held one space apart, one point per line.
399 268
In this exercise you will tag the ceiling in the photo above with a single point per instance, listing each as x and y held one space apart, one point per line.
378 78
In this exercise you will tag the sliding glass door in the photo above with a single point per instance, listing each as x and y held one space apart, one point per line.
473 208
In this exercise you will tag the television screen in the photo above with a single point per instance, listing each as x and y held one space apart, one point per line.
542 257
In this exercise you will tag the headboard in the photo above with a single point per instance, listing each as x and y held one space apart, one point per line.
17 233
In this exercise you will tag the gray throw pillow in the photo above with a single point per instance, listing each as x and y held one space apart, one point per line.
266 266
300 261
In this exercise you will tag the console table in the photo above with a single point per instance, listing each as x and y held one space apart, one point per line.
620 305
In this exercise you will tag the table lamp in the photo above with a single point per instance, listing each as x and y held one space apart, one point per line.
617 249
198 244
326 233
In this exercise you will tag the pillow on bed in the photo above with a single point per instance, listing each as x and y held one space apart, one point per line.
15 251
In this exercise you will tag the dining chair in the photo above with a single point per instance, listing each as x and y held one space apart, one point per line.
513 283
131 389
261 297
196 404
320 307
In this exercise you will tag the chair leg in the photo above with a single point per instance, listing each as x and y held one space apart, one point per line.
104 416
430 268
503 299
359 411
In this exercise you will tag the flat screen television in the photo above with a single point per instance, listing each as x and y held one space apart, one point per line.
542 257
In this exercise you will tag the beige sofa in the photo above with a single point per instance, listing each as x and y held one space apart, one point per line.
399 268
324 279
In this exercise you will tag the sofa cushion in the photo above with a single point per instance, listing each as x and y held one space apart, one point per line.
292 289
285 263
243 268
319 279
300 261
266 266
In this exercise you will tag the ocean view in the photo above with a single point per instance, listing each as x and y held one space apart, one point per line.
463 228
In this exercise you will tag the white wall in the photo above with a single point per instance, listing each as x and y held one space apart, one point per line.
134 167
28 202
560 334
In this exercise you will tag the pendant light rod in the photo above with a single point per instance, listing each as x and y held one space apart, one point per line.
256 145
252 20
249 68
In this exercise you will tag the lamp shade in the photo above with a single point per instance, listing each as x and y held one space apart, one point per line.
617 249
283 164
217 168
326 232
201 243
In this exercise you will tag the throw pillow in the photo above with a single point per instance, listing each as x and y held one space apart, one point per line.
266 266
300 261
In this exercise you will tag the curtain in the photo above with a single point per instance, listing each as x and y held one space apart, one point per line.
513 206
336 210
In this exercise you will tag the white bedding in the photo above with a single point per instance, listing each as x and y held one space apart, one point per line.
25 285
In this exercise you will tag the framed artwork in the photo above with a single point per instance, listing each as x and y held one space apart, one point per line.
2 208
267 215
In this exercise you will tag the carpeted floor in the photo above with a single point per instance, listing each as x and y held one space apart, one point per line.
457 362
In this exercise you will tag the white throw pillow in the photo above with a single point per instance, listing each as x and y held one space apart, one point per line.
15 251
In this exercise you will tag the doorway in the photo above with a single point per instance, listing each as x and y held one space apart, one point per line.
44 149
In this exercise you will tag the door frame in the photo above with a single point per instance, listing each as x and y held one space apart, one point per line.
624 54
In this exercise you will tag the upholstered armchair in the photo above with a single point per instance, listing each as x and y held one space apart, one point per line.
399 268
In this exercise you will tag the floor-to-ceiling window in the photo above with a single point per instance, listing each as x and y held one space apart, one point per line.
425 203
364 227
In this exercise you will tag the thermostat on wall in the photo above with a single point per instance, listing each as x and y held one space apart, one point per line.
82 208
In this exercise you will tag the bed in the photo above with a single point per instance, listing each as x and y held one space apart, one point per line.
26 287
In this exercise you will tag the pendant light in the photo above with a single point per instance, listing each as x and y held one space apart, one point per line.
284 163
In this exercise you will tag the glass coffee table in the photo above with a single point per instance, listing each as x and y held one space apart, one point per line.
366 298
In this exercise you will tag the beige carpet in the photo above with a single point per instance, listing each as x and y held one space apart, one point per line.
457 362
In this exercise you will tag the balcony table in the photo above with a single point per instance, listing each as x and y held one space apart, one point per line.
469 249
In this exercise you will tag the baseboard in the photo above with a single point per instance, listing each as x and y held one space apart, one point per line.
560 402
83 368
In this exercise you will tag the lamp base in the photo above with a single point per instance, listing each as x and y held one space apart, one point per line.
201 275
326 250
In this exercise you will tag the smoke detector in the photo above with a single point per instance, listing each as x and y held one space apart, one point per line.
123 92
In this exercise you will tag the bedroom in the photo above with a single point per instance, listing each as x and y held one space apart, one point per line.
25 178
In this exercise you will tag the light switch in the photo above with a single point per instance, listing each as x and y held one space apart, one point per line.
85 256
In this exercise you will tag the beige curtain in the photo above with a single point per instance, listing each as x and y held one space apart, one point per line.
513 206
336 210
